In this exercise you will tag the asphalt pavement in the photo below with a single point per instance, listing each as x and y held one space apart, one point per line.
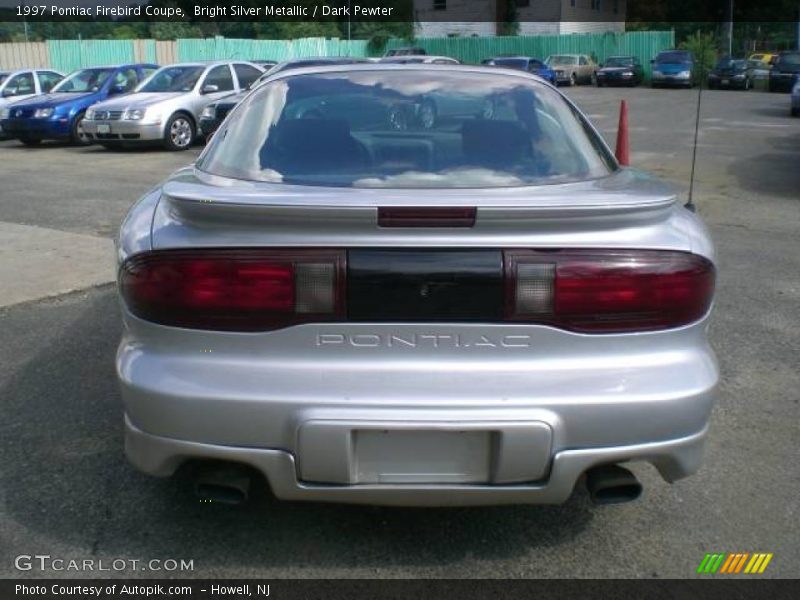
67 491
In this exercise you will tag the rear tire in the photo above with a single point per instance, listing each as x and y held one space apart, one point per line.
796 112
29 141
179 133
573 80
111 145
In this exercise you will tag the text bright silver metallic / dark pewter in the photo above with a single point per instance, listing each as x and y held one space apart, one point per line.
401 363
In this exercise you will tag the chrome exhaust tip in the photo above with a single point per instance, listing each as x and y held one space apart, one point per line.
612 484
225 484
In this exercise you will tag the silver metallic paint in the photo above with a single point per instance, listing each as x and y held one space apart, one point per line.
247 396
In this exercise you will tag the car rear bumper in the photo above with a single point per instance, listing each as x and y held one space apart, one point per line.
123 131
160 456
301 404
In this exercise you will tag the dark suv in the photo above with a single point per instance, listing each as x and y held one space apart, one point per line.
784 72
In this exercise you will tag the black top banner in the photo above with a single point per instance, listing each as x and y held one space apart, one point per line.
393 11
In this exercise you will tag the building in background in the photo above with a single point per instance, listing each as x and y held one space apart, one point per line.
441 18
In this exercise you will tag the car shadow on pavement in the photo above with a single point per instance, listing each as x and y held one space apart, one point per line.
774 172
66 482
772 111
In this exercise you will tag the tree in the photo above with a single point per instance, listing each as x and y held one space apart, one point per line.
705 47
173 30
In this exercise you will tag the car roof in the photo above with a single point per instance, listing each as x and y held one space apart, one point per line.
118 66
207 63
416 58
24 69
389 67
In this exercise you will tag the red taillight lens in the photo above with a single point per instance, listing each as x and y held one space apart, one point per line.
607 290
237 290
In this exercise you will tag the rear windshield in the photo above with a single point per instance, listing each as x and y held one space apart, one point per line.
511 63
789 59
562 60
173 79
619 61
406 129
4 76
87 80
673 58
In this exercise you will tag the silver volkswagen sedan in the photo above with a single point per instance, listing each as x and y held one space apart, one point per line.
479 312
167 106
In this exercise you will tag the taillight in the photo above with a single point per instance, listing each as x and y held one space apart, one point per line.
236 289
607 290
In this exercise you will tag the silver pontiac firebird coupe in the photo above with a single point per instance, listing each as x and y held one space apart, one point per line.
363 308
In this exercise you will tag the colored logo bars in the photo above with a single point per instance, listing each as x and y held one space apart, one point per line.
734 563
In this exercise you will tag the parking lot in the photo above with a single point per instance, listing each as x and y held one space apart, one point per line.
67 491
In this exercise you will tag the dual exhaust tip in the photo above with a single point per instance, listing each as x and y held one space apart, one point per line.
612 484
230 484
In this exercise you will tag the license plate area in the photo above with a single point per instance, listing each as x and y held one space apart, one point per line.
385 456
103 128
356 452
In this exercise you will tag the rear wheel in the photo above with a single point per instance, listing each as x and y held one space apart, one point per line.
573 80
30 141
796 112
747 84
79 135
180 133
111 145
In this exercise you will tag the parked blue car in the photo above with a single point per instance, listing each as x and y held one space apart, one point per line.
59 114
523 63
673 68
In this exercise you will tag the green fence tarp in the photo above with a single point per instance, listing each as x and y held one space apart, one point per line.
67 55
644 44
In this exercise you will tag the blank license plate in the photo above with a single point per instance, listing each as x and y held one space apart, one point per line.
103 128
399 456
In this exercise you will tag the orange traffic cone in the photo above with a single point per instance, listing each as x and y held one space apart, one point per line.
623 145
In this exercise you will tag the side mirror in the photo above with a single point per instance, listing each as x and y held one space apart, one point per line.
210 88
9 91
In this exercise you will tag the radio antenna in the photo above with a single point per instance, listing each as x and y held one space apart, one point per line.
690 203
